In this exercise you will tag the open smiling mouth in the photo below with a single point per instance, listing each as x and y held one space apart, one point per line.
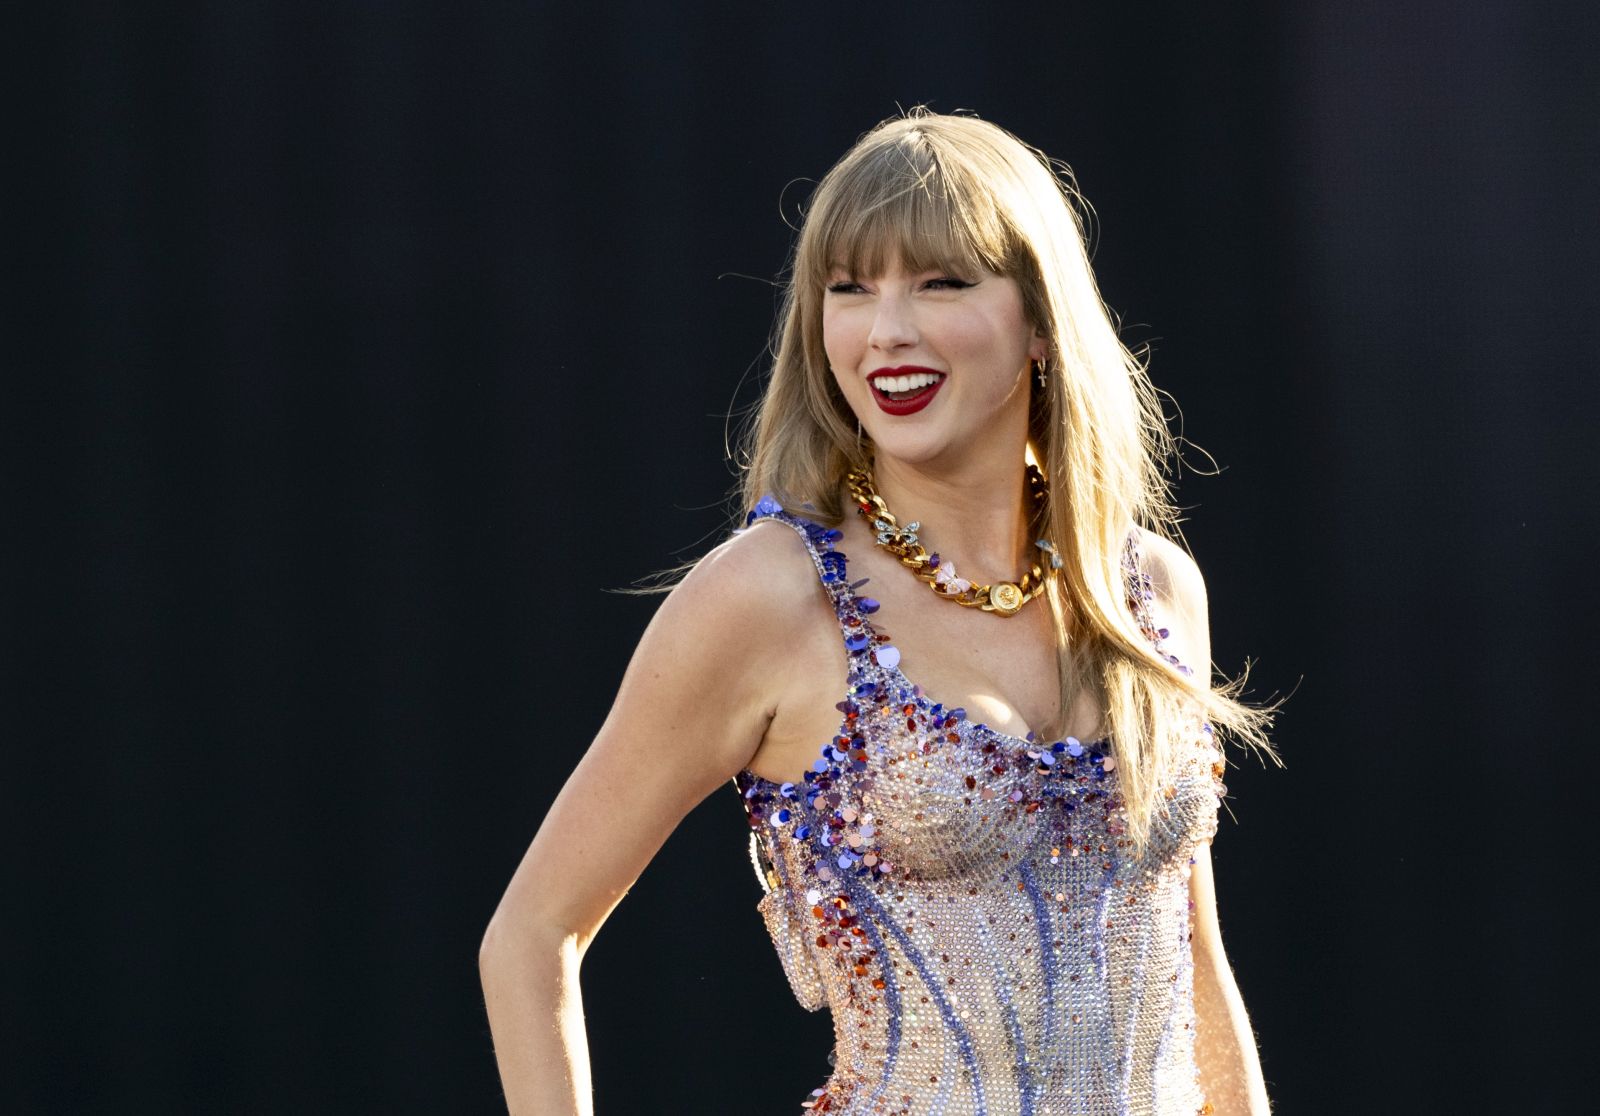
901 395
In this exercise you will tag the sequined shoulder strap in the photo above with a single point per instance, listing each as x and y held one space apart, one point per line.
1141 600
1136 583
872 658
818 540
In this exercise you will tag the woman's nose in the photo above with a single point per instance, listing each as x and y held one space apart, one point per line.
892 325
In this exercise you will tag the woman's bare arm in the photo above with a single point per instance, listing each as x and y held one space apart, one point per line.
1225 1046
691 711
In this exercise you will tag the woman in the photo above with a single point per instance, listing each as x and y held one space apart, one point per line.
997 875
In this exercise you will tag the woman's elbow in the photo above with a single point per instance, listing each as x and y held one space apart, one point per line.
511 940
494 942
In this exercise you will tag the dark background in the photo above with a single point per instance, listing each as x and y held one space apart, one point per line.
356 351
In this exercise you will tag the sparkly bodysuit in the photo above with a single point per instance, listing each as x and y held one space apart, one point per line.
966 905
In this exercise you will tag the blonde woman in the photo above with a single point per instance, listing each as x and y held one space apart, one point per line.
957 670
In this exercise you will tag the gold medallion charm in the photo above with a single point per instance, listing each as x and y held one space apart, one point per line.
1005 597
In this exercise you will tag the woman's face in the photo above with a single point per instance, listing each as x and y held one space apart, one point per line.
933 363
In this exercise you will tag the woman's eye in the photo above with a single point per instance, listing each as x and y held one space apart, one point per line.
843 287
948 283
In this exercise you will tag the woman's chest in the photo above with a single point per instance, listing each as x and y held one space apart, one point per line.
1004 678
1002 669
913 789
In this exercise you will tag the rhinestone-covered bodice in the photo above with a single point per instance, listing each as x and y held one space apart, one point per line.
966 902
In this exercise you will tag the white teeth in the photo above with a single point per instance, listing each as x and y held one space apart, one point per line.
906 383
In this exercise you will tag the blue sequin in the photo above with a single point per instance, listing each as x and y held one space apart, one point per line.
764 506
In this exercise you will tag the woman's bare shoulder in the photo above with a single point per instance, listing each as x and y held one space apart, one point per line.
750 584
708 674
1180 597
1174 574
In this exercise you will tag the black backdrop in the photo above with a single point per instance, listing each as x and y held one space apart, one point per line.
358 349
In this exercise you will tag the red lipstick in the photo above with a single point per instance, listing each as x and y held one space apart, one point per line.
911 403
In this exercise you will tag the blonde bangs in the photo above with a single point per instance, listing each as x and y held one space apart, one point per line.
899 201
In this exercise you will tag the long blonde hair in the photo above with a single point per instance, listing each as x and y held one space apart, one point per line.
960 193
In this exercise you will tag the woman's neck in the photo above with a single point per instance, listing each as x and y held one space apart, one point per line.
977 515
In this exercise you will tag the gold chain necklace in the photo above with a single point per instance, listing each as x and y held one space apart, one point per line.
1002 597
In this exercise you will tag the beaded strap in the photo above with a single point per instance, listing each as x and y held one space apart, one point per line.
1207 756
1141 596
819 542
